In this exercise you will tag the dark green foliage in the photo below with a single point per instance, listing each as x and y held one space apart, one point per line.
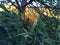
10 24
14 31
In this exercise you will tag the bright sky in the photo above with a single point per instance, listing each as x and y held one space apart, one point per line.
13 0
35 4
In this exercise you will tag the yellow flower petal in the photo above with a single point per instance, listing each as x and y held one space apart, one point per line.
1 9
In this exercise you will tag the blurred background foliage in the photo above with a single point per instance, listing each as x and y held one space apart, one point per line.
15 31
